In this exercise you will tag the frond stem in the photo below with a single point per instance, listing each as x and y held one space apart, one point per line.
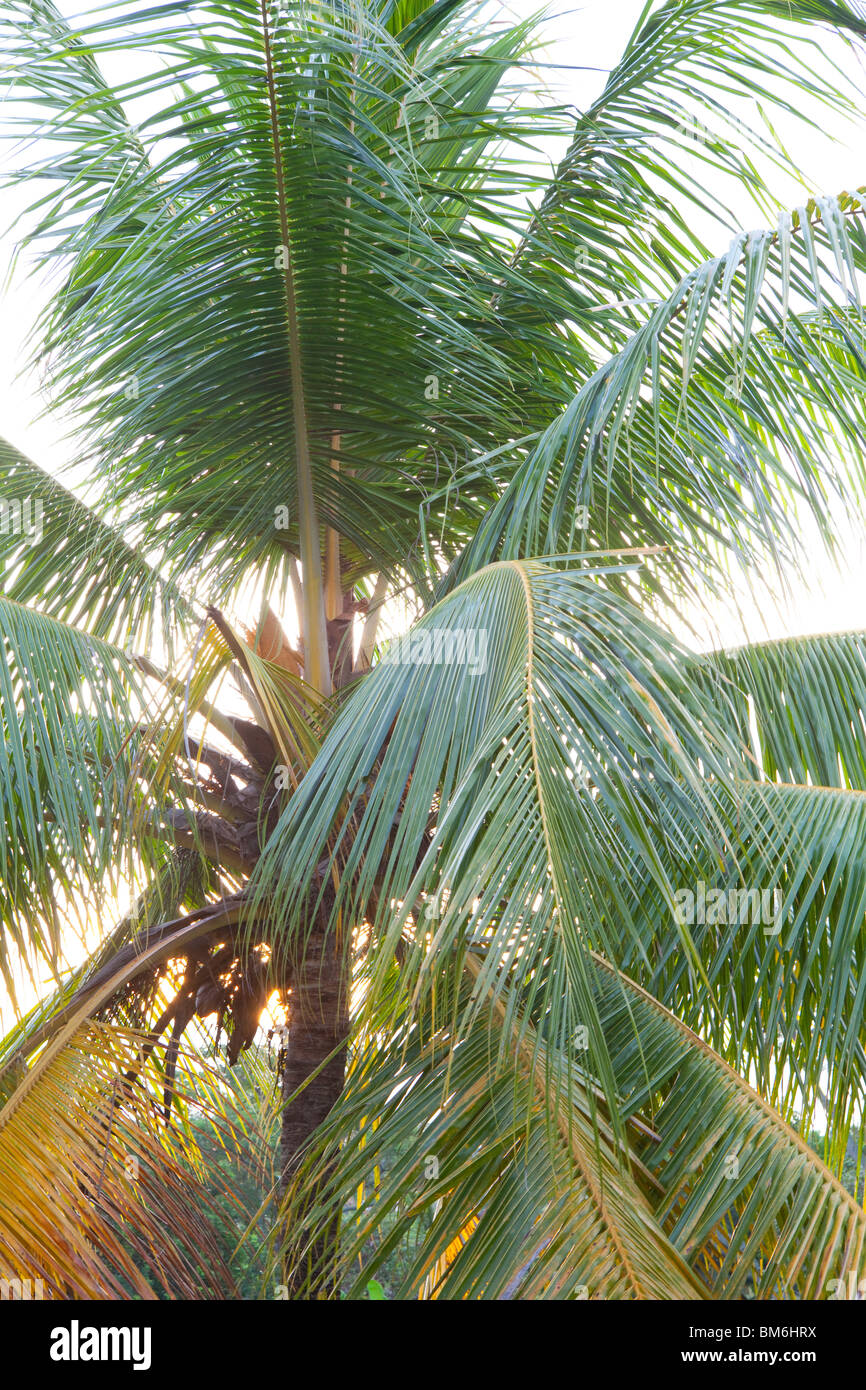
316 665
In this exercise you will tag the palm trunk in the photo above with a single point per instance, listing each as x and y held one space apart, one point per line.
315 1061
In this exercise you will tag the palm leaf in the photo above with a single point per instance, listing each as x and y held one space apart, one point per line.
526 1196
747 1202
616 223
722 405
197 404
807 698
454 801
100 1201
68 702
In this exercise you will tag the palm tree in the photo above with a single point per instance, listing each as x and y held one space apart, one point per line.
567 919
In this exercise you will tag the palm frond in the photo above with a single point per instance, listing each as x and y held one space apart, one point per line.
511 1189
788 976
193 409
61 555
616 224
71 706
721 409
805 698
747 1202
507 799
100 1200
779 929
518 1187
180 883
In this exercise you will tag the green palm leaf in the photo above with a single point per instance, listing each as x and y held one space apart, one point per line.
807 696
75 566
557 765
681 438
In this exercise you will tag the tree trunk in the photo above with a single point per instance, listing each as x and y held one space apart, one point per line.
318 1025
